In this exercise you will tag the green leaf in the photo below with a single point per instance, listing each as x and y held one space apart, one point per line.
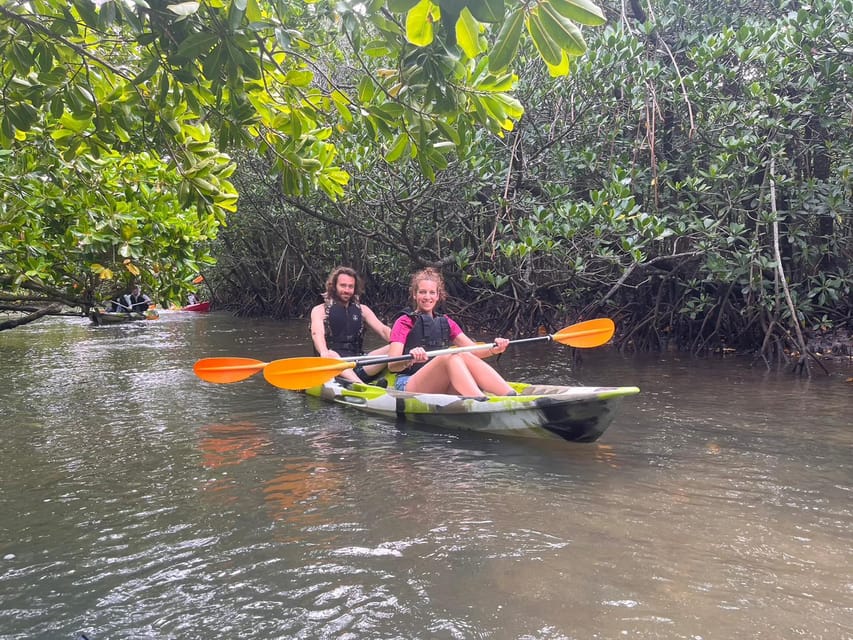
184 8
505 47
502 83
448 132
253 11
581 11
148 73
197 44
6 127
398 148
511 106
419 23
299 78
551 51
487 10
342 104
21 58
562 30
468 34
558 70
73 124
22 115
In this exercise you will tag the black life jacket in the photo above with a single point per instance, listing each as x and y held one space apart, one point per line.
428 332
344 329
138 303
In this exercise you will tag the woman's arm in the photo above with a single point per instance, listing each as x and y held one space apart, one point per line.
396 349
501 344
399 333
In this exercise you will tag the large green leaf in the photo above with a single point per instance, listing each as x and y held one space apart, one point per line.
562 30
545 44
487 10
185 8
468 34
581 11
419 23
397 148
506 44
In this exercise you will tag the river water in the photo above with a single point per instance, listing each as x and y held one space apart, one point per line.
137 501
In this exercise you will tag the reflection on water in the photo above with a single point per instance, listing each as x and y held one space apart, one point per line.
139 502
224 445
301 490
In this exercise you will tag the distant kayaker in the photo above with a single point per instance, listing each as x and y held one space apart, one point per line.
120 304
139 302
337 324
464 374
133 302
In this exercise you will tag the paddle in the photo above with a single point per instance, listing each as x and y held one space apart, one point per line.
225 370
592 333
302 373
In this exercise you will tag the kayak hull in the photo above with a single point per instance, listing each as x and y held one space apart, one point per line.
576 414
198 307
109 317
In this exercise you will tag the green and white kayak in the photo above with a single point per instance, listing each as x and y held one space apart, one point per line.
577 414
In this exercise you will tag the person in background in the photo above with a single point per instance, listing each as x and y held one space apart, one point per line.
192 299
465 374
139 302
337 324
120 304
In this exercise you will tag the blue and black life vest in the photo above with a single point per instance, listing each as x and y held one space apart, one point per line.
344 329
428 332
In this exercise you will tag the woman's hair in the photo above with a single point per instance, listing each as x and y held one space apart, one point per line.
332 282
428 274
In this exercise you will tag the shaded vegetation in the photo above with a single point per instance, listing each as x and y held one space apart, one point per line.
690 179
691 176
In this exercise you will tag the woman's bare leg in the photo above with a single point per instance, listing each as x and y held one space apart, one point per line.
485 377
445 374
461 373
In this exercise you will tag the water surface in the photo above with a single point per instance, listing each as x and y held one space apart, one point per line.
139 502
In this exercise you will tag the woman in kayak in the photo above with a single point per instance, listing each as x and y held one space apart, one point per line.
465 374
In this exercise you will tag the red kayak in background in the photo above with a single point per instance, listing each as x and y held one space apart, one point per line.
201 307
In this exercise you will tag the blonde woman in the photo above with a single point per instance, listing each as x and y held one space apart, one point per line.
464 374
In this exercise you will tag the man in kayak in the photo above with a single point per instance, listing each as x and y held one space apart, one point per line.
337 324
133 302
465 374
139 302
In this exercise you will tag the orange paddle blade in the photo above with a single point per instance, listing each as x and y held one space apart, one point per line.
302 373
591 333
224 370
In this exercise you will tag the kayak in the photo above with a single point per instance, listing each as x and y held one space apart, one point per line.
99 317
576 414
200 307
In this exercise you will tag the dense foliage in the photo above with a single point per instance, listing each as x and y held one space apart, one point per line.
690 175
116 116
691 178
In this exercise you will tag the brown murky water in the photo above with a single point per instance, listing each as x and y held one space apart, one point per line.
139 502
